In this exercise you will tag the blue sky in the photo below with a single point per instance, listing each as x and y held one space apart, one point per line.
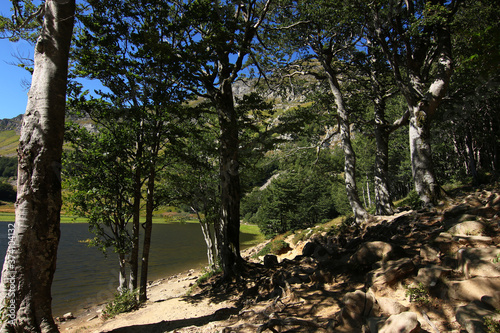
13 96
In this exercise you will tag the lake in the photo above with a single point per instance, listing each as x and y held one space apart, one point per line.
84 276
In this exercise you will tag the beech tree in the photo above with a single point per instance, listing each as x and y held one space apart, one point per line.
415 37
30 261
212 41
121 46
326 31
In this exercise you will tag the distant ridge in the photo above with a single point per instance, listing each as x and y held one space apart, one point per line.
12 124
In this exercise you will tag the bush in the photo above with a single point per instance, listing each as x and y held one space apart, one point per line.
123 302
7 192
276 246
8 166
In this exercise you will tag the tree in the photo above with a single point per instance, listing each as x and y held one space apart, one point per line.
212 41
326 31
415 37
31 257
99 177
123 47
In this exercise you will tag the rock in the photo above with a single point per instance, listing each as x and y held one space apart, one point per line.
375 323
270 260
390 273
308 249
357 305
467 228
492 300
67 316
390 306
474 289
429 253
471 316
479 262
373 252
430 275
405 322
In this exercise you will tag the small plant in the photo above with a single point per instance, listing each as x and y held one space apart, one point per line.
418 294
497 259
123 302
206 274
492 325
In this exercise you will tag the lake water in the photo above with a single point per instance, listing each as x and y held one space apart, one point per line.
85 277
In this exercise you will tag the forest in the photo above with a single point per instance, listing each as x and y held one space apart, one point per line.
283 114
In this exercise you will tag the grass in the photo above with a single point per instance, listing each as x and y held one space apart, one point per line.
9 141
253 230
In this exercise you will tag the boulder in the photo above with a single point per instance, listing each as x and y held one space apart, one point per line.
467 228
405 322
373 252
474 289
428 253
492 300
430 275
357 305
270 260
390 273
390 306
479 262
471 316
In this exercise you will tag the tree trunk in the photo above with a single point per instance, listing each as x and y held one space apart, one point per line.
207 235
471 162
422 166
134 253
122 276
383 201
30 261
148 227
360 214
228 229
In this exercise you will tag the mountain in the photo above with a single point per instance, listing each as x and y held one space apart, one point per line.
12 124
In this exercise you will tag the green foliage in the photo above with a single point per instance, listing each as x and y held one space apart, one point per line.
418 294
7 192
412 200
276 246
497 259
492 325
8 166
124 301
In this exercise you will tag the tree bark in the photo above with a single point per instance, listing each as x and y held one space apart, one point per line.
122 276
360 213
422 167
30 262
148 227
383 200
134 253
228 229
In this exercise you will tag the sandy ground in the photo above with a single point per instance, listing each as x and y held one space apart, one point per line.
167 310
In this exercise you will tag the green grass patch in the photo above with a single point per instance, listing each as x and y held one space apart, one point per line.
9 141
252 229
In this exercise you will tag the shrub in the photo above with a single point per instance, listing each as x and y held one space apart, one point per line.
123 302
276 246
7 192
418 294
492 325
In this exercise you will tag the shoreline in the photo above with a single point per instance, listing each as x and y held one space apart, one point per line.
166 310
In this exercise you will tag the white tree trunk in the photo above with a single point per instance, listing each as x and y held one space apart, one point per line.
31 257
